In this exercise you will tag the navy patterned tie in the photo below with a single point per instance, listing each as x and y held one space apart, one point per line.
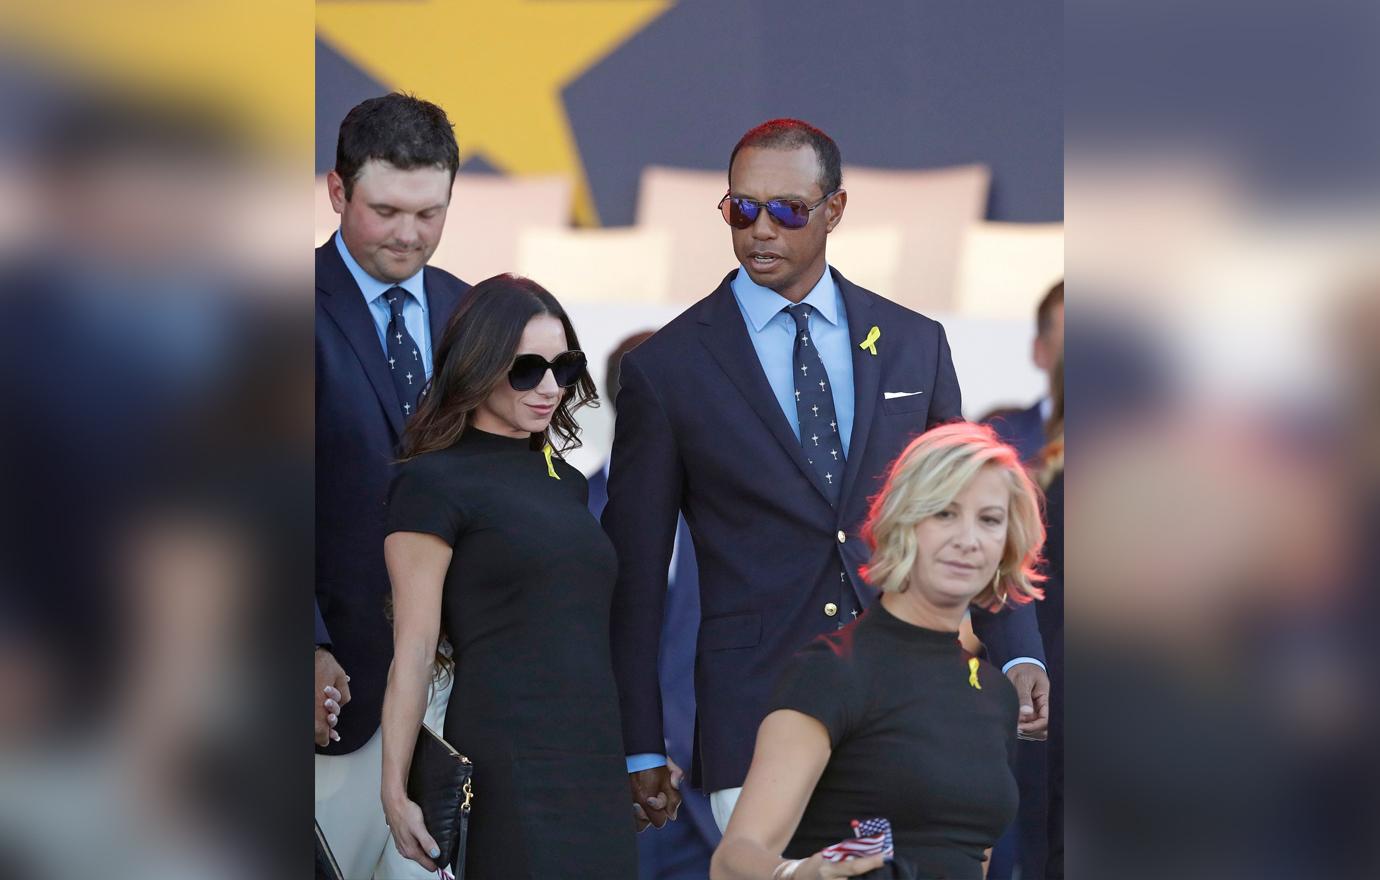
404 356
814 404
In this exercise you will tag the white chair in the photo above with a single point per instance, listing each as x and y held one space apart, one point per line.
487 216
628 264
1004 268
932 207
681 202
867 256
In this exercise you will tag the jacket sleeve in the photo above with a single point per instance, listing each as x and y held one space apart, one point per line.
946 405
645 487
1009 633
323 637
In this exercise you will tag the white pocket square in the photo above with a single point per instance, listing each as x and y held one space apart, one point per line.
892 395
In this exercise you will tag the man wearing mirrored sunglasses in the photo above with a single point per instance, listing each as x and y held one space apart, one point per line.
768 413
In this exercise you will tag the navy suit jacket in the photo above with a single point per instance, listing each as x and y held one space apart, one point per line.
1023 429
358 425
700 431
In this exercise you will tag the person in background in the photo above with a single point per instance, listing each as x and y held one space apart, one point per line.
681 851
1025 428
1028 430
889 717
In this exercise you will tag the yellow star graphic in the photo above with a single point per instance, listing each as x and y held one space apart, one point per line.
496 66
245 58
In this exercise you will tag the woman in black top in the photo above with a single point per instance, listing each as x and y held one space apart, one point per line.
889 717
490 540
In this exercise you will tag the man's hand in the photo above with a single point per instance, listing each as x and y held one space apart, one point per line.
655 795
332 693
1032 687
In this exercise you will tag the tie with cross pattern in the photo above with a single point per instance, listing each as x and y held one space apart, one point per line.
814 404
404 356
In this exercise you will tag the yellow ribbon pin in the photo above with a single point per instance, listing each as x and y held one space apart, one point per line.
550 465
972 672
870 343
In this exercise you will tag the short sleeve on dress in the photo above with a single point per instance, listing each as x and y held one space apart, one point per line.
822 681
420 501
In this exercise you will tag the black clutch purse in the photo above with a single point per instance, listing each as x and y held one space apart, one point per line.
441 783
326 867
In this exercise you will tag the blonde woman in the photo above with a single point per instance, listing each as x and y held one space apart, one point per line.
889 717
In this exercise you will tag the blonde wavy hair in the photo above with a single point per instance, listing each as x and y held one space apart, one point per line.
924 480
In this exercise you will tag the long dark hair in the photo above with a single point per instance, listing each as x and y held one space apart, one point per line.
475 354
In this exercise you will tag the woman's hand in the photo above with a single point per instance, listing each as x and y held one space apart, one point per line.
816 868
410 836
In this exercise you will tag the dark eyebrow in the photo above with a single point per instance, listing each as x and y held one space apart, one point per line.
385 206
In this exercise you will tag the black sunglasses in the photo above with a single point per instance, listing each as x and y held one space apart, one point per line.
529 369
740 213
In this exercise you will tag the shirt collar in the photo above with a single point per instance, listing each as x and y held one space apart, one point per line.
761 304
371 287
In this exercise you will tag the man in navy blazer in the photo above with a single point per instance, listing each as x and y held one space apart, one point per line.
768 413
1025 429
380 311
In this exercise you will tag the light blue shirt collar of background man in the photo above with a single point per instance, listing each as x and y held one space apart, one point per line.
772 332
414 307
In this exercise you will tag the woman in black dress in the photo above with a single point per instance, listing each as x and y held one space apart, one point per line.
889 717
490 541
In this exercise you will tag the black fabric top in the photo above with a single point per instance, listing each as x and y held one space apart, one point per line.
526 606
913 741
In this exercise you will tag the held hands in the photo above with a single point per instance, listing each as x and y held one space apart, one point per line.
656 795
332 693
404 818
1032 687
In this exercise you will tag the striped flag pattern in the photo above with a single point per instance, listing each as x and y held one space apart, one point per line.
870 837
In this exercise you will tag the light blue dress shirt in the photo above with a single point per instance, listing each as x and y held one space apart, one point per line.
415 309
772 331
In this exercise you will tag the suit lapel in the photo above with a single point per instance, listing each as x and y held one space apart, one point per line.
867 372
723 332
344 302
440 305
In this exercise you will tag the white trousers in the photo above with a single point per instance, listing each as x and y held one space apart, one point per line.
721 804
350 811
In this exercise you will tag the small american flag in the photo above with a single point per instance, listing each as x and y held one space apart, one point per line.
870 837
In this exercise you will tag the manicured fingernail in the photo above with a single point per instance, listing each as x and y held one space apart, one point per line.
435 852
330 718
347 678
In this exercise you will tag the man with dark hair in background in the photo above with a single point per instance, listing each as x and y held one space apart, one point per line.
682 852
380 311
1027 842
1025 428
768 413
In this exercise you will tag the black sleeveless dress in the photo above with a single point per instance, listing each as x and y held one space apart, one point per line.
535 706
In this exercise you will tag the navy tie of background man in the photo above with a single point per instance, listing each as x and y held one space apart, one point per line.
778 551
380 310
